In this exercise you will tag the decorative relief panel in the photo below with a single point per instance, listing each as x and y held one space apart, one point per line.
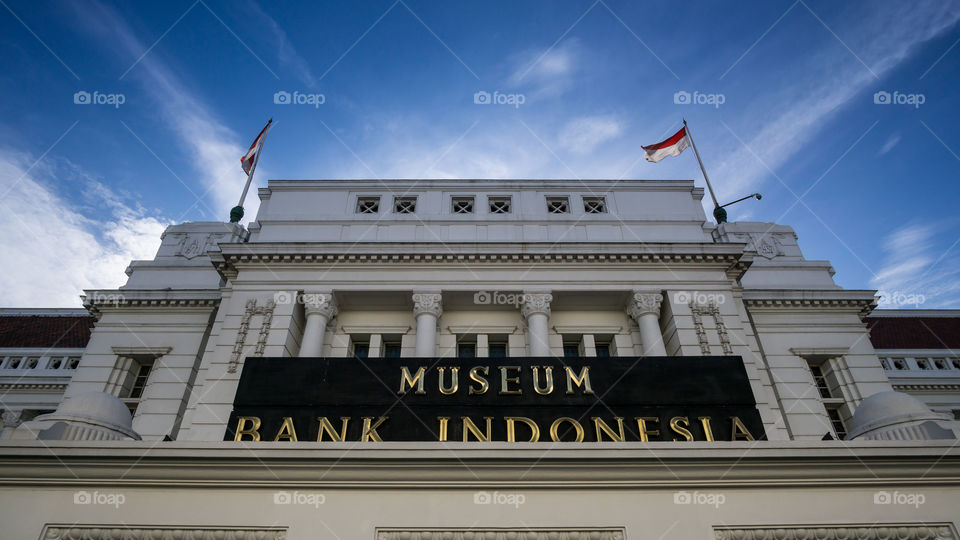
927 531
194 244
108 532
501 534
249 311
711 309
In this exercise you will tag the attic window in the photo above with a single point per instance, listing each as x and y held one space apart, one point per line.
594 205
404 205
368 205
558 205
499 205
463 205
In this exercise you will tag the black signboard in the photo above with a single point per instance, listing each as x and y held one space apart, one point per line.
499 399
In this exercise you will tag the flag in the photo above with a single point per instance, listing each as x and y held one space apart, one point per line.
249 158
670 147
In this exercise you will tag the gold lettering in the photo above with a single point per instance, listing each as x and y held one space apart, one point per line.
511 429
326 426
242 428
287 430
370 430
475 377
555 428
601 427
583 380
454 381
548 374
505 381
681 430
407 381
707 429
738 430
646 432
444 422
469 426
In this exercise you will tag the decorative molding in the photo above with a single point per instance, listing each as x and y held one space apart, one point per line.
536 303
431 303
823 352
141 532
487 329
249 311
320 304
711 309
643 303
911 387
34 386
375 329
502 534
155 352
12 419
587 329
892 531
96 300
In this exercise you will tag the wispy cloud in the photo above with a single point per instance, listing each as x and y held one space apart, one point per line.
913 274
547 72
53 249
290 60
892 140
582 135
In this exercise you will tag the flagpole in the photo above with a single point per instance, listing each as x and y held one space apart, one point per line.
716 205
237 212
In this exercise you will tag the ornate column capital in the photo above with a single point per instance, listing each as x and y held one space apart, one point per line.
642 303
320 304
536 303
12 419
431 303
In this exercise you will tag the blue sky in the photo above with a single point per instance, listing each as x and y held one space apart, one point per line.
871 187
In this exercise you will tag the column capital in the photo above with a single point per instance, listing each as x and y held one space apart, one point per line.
315 303
431 303
644 302
536 303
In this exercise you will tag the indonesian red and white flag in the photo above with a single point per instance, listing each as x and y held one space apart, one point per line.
670 147
249 158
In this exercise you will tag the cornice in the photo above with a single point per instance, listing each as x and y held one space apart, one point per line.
99 300
489 465
861 301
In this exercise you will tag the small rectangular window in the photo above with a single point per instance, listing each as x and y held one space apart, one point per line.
839 430
603 350
497 350
499 205
466 350
391 350
594 205
404 205
821 381
368 205
558 205
463 205
140 380
571 350
361 350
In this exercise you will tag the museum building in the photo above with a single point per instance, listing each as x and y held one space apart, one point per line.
480 359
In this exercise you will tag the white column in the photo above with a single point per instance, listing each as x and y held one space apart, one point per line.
536 310
320 308
427 309
645 309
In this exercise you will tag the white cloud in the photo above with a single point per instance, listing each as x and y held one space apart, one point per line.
546 72
582 135
51 249
913 274
891 141
286 53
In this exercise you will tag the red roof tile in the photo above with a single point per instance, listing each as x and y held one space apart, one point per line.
66 332
914 332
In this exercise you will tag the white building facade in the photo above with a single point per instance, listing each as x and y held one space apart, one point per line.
384 275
